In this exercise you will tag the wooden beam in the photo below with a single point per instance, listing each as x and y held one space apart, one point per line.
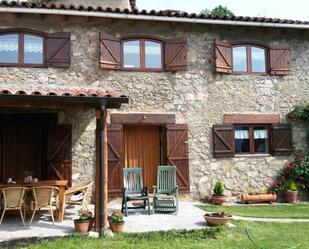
251 118
143 118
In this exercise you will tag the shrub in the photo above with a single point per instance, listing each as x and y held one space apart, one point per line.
218 189
291 185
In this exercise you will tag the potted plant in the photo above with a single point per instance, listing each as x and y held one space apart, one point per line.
216 219
291 191
218 198
116 221
82 224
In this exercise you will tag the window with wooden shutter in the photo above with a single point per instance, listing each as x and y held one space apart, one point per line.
115 144
282 143
177 153
223 55
223 140
58 49
279 60
110 52
59 153
175 54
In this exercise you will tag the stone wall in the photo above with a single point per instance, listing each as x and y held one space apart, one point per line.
198 96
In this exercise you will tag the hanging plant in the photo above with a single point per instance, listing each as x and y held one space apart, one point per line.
299 113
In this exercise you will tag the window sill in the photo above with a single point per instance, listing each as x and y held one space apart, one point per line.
252 155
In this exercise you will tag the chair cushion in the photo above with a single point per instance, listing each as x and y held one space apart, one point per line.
137 197
77 197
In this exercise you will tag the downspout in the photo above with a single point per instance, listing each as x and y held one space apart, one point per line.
102 212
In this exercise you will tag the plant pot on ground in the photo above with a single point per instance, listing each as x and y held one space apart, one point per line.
218 198
82 224
258 196
116 222
291 192
216 219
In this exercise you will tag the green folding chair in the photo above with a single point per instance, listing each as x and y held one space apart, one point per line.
134 190
165 197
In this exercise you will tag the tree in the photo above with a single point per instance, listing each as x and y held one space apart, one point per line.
219 11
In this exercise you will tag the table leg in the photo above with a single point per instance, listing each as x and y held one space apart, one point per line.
61 203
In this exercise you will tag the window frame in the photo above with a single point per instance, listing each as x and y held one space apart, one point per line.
142 54
248 47
251 139
21 34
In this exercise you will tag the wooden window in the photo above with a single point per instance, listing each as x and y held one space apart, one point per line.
250 59
142 54
252 139
34 49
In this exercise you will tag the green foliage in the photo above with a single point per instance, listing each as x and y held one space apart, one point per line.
84 215
218 189
218 11
291 185
299 113
117 217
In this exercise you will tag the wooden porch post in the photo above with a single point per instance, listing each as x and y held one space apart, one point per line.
101 171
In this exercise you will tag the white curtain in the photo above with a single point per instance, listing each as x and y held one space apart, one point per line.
260 134
8 45
241 134
34 46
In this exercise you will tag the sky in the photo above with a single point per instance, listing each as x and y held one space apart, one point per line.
285 9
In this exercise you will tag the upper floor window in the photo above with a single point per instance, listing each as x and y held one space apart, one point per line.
21 49
142 54
249 59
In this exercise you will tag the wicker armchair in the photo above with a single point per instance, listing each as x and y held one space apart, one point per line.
43 199
76 195
13 199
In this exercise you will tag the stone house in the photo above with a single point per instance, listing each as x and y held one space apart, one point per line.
207 94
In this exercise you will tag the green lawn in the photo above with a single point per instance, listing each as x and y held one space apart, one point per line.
263 211
266 235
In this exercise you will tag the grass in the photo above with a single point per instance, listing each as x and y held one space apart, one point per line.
297 211
266 235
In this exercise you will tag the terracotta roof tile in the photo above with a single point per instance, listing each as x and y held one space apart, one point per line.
165 13
58 91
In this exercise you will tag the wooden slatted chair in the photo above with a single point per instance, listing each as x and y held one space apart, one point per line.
13 199
165 197
134 190
43 197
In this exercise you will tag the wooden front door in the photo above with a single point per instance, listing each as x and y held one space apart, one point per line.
22 147
142 150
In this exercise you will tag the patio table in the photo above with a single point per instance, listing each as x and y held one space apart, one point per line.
61 184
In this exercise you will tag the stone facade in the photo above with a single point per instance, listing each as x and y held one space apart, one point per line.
198 96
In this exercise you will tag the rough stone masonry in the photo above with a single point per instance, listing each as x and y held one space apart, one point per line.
198 96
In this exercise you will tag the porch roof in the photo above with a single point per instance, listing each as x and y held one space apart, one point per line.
50 97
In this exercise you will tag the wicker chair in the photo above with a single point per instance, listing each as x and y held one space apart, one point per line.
13 199
43 199
76 195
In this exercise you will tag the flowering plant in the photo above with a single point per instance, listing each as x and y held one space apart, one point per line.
84 215
297 170
117 217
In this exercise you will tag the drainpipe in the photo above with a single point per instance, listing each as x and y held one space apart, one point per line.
102 212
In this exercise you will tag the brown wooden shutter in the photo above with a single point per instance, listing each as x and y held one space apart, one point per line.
115 144
279 60
282 143
177 153
175 54
223 55
58 49
223 141
59 152
110 52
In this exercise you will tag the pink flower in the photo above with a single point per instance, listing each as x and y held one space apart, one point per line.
282 178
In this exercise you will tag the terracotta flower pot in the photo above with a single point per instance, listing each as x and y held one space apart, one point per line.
216 219
270 198
116 227
91 224
81 227
291 196
218 199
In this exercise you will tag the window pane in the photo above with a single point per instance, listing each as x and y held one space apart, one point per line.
152 54
131 54
261 139
258 60
242 142
9 48
240 59
33 49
